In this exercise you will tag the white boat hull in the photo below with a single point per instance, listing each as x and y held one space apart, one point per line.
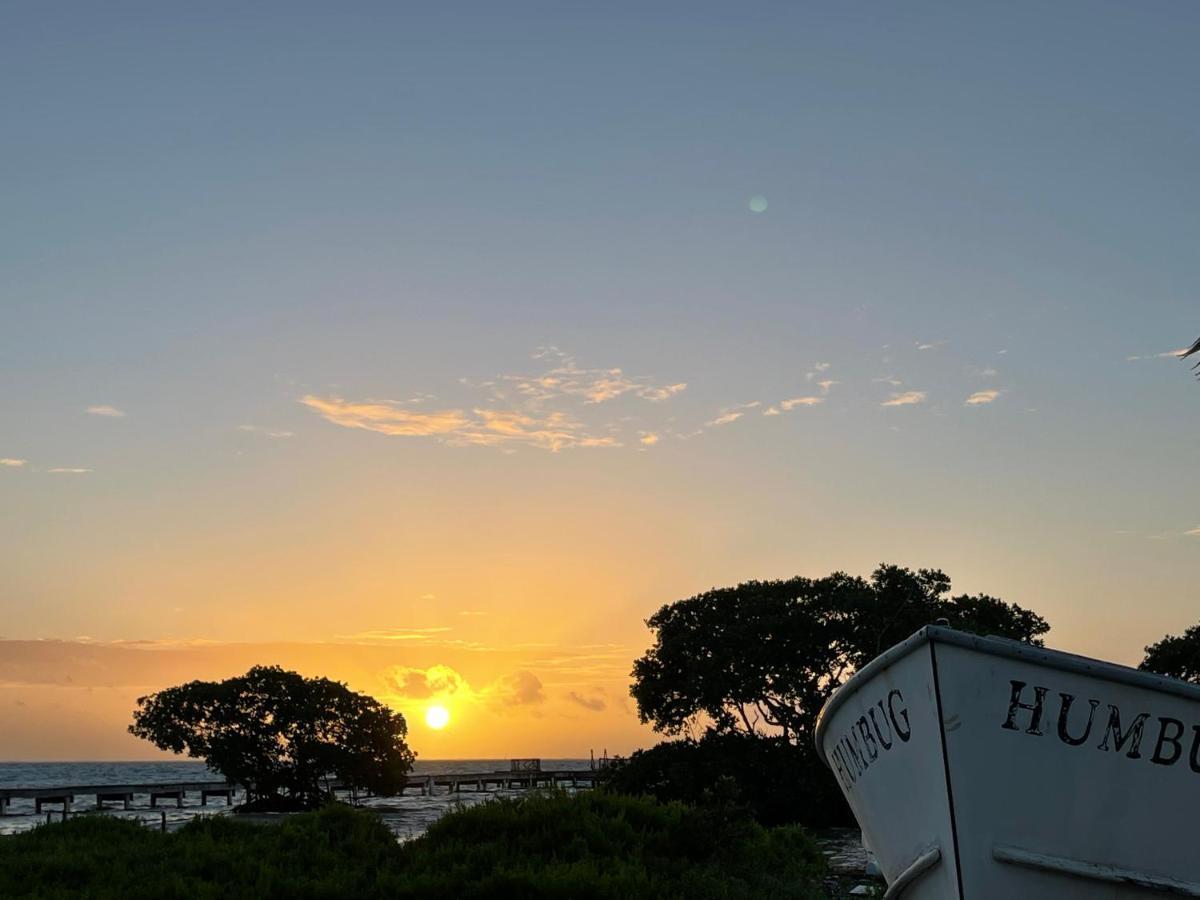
984 769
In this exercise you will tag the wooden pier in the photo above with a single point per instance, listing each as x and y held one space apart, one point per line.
117 793
528 778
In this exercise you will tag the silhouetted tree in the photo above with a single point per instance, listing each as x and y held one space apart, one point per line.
764 656
771 776
281 734
1176 656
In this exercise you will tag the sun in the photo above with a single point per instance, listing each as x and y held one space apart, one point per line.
437 717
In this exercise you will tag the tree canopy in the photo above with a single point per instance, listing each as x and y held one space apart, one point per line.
764 656
1176 656
280 734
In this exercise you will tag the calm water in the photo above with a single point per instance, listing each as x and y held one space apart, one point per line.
407 816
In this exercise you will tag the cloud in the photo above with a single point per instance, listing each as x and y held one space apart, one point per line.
519 689
567 379
817 369
595 704
726 418
12 463
421 684
648 438
771 411
385 635
63 470
550 410
1194 532
980 398
105 410
888 379
733 413
471 612
386 417
266 432
931 345
908 398
826 385
791 404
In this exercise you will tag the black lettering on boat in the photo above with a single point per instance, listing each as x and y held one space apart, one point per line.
868 738
886 745
846 778
860 758
1133 735
863 743
1176 748
906 732
1035 708
1064 714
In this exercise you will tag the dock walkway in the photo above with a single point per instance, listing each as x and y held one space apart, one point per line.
426 783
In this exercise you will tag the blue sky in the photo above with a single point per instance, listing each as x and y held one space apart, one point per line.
411 215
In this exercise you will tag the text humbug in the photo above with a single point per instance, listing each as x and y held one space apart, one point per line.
1118 732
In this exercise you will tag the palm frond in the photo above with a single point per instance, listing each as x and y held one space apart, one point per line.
1195 348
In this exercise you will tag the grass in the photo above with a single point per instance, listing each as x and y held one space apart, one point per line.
554 845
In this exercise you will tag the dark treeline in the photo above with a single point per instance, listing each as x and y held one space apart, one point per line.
737 677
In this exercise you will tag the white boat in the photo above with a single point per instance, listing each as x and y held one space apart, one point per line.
986 769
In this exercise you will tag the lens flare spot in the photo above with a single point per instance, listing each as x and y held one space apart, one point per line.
758 203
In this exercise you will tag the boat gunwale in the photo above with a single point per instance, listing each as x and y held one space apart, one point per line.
996 646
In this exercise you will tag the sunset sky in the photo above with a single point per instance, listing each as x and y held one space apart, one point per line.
434 347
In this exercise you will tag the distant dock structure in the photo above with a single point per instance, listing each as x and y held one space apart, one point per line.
522 774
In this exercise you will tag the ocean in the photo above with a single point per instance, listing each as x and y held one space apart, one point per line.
406 816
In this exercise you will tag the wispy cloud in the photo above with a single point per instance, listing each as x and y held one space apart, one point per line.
551 410
266 432
733 413
388 635
566 379
648 438
826 385
1193 532
105 410
64 470
594 703
792 403
817 369
908 398
931 345
12 463
981 398
386 417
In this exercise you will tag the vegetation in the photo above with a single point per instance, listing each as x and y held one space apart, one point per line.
281 734
763 657
772 776
758 661
591 845
1177 656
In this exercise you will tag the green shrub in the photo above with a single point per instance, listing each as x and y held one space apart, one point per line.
591 845
779 782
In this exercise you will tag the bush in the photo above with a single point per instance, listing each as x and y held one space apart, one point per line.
591 845
779 782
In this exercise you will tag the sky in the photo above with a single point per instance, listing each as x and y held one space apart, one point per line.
434 348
